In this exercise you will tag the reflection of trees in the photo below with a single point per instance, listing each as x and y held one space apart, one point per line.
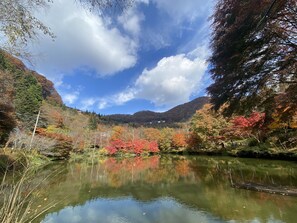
150 170
198 182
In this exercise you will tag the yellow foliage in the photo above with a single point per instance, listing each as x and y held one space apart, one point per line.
278 124
51 129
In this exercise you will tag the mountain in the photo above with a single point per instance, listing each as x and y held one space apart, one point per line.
15 68
179 113
21 94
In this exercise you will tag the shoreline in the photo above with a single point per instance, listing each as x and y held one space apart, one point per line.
15 159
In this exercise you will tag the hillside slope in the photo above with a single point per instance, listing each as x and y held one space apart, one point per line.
15 68
21 94
179 113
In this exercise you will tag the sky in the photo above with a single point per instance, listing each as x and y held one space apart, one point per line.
151 56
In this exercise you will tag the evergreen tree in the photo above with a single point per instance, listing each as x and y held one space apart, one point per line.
93 121
7 116
28 99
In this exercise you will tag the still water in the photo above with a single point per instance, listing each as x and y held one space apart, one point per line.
166 189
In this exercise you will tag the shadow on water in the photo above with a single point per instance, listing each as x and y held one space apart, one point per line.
166 189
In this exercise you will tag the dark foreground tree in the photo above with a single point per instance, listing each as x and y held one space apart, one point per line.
253 64
7 116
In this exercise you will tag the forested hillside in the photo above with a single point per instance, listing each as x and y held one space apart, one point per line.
22 92
180 113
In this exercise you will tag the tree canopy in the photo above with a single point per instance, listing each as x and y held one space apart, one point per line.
253 62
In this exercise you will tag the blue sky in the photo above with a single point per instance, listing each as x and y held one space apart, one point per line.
150 57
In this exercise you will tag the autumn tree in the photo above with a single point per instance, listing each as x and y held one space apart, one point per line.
151 134
179 140
118 133
207 128
254 56
251 126
165 140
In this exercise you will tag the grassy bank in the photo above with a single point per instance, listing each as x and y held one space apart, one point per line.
17 160
259 152
264 153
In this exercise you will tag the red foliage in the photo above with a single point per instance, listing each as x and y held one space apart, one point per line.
256 119
246 125
115 146
153 147
137 146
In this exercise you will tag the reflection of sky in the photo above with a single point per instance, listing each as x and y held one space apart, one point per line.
129 210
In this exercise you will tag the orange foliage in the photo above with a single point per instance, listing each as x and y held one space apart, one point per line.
179 140
136 146
117 133
56 136
58 118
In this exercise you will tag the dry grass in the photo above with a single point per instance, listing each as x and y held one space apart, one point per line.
17 198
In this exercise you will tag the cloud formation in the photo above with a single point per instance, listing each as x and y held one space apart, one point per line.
108 101
131 21
83 40
92 44
70 98
171 82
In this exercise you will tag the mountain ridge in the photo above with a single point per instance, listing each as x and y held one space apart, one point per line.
179 113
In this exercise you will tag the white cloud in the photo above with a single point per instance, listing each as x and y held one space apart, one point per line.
105 102
123 97
102 104
70 98
88 103
82 39
201 51
131 21
86 41
172 81
143 1
93 103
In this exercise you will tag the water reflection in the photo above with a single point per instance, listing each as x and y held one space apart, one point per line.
167 189
129 210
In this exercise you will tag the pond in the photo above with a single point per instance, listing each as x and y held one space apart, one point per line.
165 189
